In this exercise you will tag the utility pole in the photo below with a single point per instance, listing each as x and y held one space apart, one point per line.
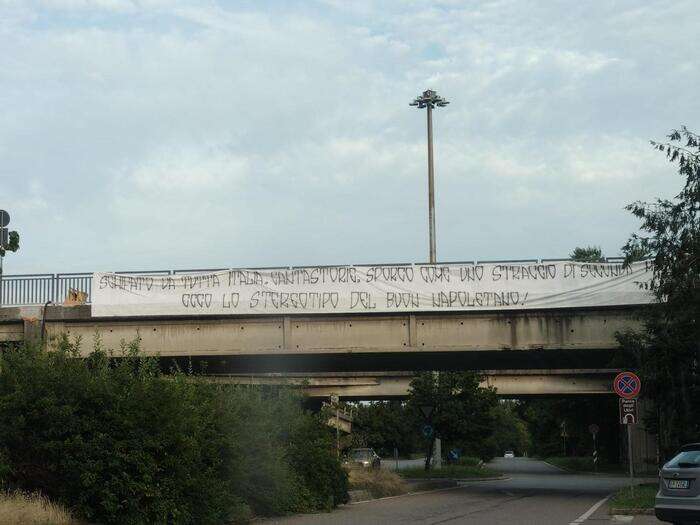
430 99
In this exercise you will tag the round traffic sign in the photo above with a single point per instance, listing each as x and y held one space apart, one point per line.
627 385
427 431
593 428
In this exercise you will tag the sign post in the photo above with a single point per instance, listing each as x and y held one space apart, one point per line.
627 385
593 429
564 435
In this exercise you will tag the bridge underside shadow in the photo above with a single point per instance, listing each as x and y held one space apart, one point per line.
391 361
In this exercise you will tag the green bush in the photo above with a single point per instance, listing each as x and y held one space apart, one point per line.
583 464
468 461
119 442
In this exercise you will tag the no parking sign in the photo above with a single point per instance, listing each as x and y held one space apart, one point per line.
627 385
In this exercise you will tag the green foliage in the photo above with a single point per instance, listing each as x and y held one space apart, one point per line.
119 442
640 497
462 410
544 418
589 254
468 461
584 464
449 472
384 425
667 352
510 432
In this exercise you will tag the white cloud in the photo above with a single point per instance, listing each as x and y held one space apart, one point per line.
284 135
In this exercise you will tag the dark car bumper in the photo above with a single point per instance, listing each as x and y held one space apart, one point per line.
674 515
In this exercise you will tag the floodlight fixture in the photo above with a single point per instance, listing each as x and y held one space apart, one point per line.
429 99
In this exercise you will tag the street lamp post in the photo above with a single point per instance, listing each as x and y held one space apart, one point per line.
429 100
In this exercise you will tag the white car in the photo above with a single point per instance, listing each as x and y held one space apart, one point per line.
509 454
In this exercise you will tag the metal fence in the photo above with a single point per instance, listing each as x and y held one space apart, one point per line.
40 288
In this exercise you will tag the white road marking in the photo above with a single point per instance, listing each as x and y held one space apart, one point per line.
583 517
622 518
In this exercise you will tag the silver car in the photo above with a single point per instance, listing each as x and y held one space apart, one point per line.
678 499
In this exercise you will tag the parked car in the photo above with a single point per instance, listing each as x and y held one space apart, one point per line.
509 454
678 499
364 458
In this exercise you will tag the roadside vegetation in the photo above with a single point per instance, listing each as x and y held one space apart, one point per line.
378 482
584 464
640 497
665 352
470 420
117 441
449 472
18 508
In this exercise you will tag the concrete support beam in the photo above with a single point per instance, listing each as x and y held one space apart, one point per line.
264 335
387 385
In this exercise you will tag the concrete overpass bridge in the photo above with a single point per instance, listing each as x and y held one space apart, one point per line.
532 352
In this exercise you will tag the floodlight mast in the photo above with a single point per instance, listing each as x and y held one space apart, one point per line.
430 99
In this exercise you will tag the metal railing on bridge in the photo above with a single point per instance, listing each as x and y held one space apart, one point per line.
40 288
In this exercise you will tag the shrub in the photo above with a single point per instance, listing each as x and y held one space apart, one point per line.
18 508
379 482
119 442
468 461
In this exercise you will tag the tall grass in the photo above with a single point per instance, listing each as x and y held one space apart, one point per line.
19 508
379 482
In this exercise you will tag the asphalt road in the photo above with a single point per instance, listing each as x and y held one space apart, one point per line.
535 493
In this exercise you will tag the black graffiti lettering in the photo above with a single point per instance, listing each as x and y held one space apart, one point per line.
463 299
168 283
230 300
362 300
402 300
132 283
435 274
244 278
569 270
196 300
516 272
393 274
340 274
255 300
294 300
604 270
471 273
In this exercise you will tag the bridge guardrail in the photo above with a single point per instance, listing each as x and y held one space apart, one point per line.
40 288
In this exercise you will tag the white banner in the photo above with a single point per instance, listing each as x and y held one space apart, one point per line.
368 289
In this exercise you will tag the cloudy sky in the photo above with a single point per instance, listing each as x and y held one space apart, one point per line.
145 134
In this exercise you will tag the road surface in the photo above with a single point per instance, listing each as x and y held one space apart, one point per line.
535 493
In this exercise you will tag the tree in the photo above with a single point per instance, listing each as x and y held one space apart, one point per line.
510 432
589 254
384 425
461 410
668 349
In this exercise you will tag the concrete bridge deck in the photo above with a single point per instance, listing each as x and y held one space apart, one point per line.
360 346
560 329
